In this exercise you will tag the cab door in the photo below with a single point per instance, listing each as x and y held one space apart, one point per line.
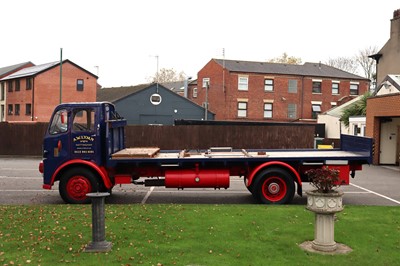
56 148
84 135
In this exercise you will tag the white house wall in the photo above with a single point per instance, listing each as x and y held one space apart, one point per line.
389 142
333 127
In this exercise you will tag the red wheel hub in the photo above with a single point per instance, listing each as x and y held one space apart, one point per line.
274 189
78 187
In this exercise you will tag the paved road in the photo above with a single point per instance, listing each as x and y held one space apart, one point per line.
21 183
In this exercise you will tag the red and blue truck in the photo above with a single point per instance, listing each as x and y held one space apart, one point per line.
84 150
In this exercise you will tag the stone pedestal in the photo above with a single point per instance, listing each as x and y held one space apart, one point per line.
324 205
99 243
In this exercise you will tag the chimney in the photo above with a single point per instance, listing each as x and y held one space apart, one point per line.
395 25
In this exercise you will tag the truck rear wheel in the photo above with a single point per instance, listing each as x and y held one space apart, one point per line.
76 183
274 186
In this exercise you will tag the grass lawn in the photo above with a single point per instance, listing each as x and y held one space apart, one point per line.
194 235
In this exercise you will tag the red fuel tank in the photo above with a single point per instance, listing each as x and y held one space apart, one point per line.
187 178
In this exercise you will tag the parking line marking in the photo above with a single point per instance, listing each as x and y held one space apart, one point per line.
147 195
375 193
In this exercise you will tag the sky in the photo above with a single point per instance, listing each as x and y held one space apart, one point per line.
123 41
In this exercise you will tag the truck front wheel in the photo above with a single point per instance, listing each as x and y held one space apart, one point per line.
76 183
274 186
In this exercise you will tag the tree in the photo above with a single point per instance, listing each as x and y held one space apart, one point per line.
368 64
167 75
356 109
285 59
347 64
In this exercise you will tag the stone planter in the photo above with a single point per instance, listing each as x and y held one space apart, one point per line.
324 205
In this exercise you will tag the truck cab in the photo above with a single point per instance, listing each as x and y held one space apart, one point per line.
74 139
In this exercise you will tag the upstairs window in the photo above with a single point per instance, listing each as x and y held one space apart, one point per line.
10 86
206 82
268 85
2 91
242 109
29 83
194 92
335 87
316 86
353 89
79 84
243 83
17 85
292 86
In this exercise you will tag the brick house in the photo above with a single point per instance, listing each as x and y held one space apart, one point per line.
5 71
383 121
33 92
260 91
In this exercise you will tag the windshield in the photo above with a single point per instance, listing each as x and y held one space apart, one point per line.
59 124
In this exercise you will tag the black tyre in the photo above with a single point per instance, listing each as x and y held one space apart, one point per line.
273 186
76 183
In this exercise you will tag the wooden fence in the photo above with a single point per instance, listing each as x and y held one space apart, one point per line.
25 139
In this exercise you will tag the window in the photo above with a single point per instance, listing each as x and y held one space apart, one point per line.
353 89
316 86
10 109
242 109
292 86
29 83
243 84
17 109
267 110
17 85
28 109
316 109
206 81
292 111
83 120
194 92
2 91
268 85
59 123
10 86
335 87
79 84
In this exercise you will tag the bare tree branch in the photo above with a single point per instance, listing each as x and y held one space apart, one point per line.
366 63
347 64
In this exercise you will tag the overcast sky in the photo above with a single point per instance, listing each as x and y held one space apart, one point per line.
123 37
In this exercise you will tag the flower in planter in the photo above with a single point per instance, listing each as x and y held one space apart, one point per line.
324 179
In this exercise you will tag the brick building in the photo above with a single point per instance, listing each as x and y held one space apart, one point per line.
383 110
33 92
5 71
260 91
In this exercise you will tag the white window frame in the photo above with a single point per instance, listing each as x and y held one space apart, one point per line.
292 89
320 86
194 93
243 83
352 84
268 112
205 82
337 89
268 84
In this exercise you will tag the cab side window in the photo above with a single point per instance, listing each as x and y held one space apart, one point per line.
83 120
59 124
